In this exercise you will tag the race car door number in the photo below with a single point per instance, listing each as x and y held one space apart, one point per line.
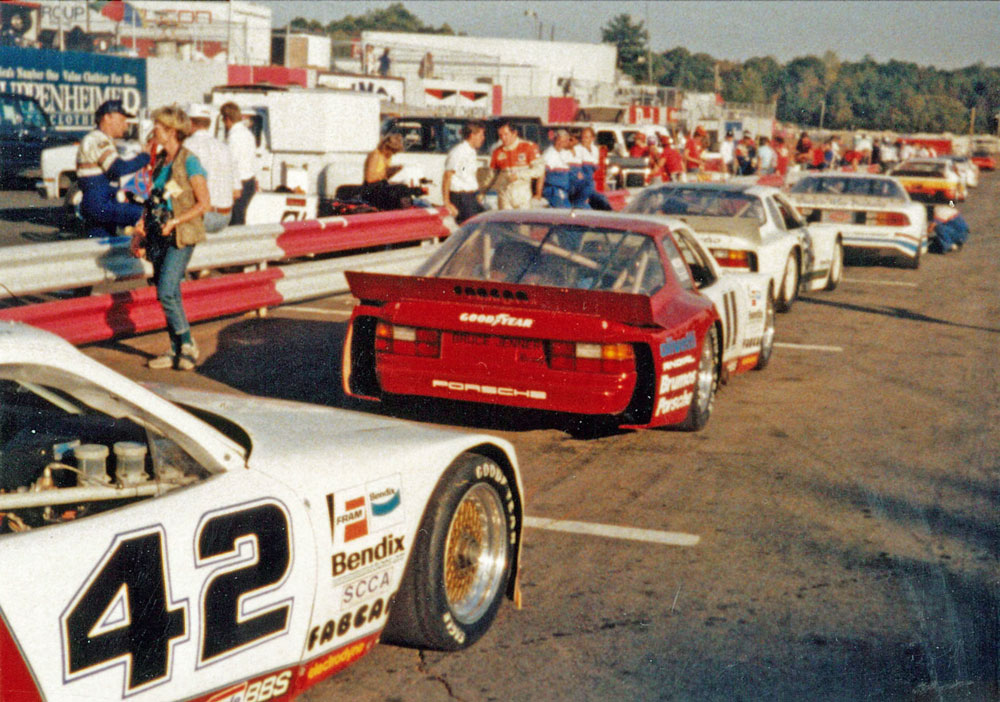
125 613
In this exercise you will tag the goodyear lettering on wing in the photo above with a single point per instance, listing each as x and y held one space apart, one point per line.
674 346
501 319
495 390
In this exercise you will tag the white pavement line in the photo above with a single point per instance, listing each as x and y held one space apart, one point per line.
897 283
316 310
671 538
809 347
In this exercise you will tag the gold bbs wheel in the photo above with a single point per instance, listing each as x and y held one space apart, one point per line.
475 553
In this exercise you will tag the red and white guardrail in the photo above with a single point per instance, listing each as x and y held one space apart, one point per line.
57 266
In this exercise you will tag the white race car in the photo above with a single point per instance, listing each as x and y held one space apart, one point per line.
869 212
752 228
229 548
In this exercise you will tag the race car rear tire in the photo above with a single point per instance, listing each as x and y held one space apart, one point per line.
789 290
460 561
705 384
767 339
836 266
911 262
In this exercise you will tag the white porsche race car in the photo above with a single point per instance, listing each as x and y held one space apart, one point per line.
752 228
869 212
229 548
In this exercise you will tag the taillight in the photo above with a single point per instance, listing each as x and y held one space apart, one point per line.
735 258
591 358
889 219
407 341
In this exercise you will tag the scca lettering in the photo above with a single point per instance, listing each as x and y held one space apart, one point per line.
496 320
672 404
365 587
685 343
456 386
347 622
672 363
671 383
347 562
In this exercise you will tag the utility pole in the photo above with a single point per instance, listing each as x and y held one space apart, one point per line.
822 112
972 122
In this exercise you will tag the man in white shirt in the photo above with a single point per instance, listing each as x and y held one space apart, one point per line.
214 156
243 149
727 150
767 158
459 186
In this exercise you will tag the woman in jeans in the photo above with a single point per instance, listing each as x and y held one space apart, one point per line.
173 228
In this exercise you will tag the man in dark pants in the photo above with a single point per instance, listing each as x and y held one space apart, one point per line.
459 186
243 149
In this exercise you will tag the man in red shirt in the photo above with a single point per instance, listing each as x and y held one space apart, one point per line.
692 151
515 163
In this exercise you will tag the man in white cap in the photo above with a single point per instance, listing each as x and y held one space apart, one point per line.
218 162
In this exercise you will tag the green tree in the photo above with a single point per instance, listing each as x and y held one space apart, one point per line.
632 41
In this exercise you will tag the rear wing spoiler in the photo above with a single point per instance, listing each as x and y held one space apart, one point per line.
739 227
845 202
626 308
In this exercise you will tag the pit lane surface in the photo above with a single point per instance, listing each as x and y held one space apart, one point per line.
844 501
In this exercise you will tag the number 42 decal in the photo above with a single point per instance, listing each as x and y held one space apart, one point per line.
125 614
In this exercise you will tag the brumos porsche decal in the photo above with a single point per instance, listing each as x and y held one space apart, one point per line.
128 612
677 380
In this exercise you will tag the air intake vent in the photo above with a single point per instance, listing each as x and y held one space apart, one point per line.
485 293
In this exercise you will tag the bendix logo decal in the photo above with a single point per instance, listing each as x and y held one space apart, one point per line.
365 509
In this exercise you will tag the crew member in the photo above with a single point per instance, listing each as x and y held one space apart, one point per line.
215 157
589 155
98 168
376 191
514 163
555 187
243 149
459 187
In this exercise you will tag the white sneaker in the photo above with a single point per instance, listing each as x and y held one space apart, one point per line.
161 362
187 357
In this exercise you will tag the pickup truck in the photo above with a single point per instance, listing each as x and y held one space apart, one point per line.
25 132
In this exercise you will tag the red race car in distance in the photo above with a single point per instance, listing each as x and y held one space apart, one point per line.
625 318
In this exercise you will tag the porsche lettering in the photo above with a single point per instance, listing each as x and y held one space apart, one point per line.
672 404
496 320
456 386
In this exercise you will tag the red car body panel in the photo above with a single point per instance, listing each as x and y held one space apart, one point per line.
495 342
986 163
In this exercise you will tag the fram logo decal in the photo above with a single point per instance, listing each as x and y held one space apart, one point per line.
685 343
353 517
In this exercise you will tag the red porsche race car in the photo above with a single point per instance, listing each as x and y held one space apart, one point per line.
625 318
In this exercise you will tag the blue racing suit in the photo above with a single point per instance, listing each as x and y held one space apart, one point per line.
98 168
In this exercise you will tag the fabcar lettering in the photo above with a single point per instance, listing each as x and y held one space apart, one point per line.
349 562
453 629
496 320
456 386
257 691
346 623
672 363
364 588
670 383
672 404
337 660
685 343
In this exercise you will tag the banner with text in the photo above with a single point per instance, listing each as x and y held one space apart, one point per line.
71 85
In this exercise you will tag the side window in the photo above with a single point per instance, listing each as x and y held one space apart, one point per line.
607 140
678 259
789 214
451 134
701 269
775 214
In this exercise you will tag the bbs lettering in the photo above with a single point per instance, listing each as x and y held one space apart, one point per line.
347 622
268 688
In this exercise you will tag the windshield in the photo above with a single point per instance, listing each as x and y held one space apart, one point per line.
920 168
880 187
559 255
704 202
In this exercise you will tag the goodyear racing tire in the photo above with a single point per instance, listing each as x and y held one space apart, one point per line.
767 339
836 266
789 289
705 384
911 262
460 563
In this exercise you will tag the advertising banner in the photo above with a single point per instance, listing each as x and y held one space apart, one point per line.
71 85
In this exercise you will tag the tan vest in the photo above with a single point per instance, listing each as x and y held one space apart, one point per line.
193 231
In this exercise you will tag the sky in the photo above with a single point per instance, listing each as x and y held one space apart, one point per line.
946 35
